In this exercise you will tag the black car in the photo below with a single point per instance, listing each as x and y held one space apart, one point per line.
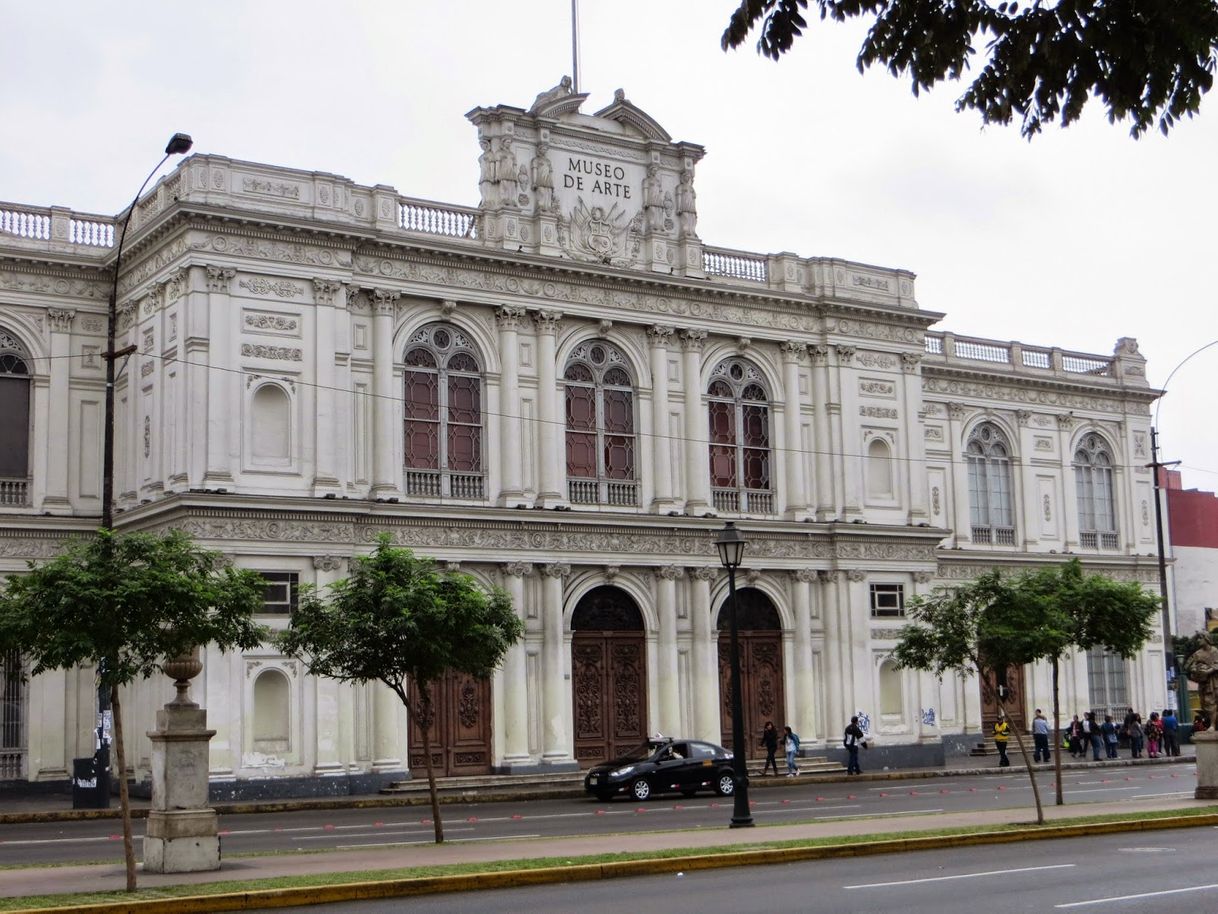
680 765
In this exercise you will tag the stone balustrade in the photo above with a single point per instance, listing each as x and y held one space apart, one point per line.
965 351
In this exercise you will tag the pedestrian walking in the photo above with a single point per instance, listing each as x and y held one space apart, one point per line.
1091 735
1133 729
1074 735
1109 731
1002 732
769 739
790 745
1154 735
1040 737
1171 727
852 739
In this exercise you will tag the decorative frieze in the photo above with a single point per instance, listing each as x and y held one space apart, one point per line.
280 288
269 322
280 353
1032 395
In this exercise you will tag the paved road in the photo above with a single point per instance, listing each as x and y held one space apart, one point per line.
1168 872
99 840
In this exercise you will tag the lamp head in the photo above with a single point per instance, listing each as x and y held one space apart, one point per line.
731 545
179 144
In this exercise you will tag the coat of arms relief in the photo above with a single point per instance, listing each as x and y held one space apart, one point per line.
594 234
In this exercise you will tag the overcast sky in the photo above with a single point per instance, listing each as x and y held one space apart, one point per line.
1075 239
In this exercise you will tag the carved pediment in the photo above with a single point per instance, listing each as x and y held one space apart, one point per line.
622 111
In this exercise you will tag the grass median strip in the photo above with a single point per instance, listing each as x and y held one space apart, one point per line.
607 864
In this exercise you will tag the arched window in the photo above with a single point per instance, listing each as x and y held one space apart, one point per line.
271 425
14 422
879 469
443 414
989 486
1096 503
892 699
600 427
272 713
739 438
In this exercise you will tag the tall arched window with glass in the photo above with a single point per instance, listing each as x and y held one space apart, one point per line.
1096 499
443 410
739 412
989 486
600 427
14 422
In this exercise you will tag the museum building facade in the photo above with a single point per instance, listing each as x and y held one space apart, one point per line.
565 392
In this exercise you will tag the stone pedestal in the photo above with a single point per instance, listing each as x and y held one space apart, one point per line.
1207 765
181 834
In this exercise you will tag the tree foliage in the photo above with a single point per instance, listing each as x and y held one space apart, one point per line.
127 603
398 619
1148 61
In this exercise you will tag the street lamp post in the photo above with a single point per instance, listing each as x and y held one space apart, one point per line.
178 144
731 553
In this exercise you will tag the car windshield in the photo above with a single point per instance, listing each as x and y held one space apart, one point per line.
639 753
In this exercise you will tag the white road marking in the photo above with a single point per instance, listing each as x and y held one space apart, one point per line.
1187 794
36 841
1024 869
882 815
772 812
1156 894
348 847
380 833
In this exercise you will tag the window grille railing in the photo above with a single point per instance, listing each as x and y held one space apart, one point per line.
14 493
735 266
1092 539
743 501
12 717
444 484
615 493
996 536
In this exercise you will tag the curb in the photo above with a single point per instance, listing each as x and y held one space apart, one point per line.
434 885
493 795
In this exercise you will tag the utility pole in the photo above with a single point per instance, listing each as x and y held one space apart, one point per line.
1169 653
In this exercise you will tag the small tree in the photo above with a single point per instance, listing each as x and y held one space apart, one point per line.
127 604
399 619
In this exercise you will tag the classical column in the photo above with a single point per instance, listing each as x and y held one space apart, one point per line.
805 685
327 698
706 656
697 463
961 513
793 456
325 422
1069 502
385 408
661 338
515 683
221 390
838 669
389 730
849 443
510 433
548 324
915 441
822 449
60 408
666 653
556 739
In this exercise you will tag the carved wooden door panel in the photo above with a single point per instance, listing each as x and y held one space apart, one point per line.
761 692
460 730
609 683
1015 705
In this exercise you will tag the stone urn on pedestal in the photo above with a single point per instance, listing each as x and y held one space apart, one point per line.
181 835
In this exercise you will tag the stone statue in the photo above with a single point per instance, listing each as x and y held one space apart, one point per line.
486 174
653 198
687 205
562 90
543 180
509 182
1202 668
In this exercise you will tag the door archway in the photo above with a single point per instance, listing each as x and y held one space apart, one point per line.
608 675
761 693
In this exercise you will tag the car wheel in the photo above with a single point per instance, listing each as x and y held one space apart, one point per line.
726 785
640 789
689 792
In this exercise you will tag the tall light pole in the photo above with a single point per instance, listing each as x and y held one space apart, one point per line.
178 144
731 545
1169 653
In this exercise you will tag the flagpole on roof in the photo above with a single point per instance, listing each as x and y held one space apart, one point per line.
575 46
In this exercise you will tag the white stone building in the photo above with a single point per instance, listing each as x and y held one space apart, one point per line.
565 391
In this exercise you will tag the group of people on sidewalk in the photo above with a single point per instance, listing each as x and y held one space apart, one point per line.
852 739
1158 735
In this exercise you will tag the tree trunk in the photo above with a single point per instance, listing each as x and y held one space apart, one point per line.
1023 750
124 799
1057 735
425 704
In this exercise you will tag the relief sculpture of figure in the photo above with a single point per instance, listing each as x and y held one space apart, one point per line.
486 174
509 183
653 199
687 205
1202 668
562 90
543 180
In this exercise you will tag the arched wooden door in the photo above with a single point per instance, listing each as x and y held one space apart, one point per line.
761 694
608 675
460 729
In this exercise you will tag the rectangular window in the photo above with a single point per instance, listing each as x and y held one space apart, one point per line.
281 592
887 600
1106 681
